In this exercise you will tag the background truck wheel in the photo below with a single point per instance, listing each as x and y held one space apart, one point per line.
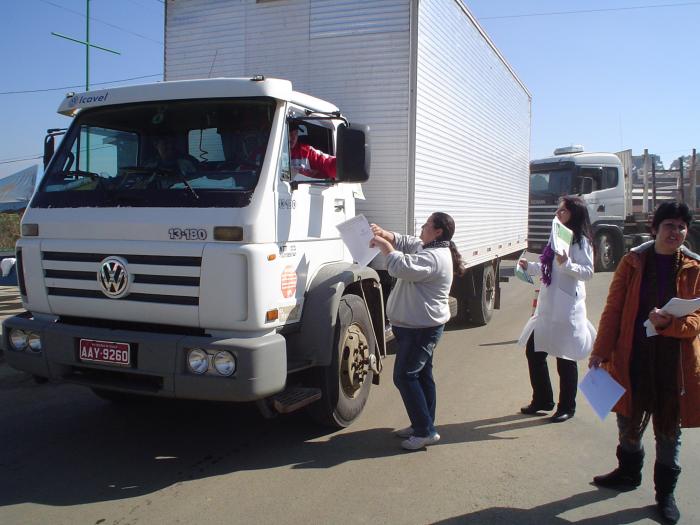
607 253
481 305
345 383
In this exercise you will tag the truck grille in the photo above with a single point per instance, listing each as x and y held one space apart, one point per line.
160 279
539 226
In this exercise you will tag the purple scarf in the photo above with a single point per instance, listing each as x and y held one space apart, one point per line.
546 259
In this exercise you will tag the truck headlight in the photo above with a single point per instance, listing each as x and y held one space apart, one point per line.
18 339
198 360
34 342
225 363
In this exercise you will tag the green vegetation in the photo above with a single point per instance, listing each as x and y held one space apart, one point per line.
9 231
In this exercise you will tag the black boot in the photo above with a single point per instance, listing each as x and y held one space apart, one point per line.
665 479
628 474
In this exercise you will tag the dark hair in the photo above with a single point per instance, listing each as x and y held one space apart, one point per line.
446 223
671 210
580 222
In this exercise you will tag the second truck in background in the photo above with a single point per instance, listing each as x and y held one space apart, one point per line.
619 200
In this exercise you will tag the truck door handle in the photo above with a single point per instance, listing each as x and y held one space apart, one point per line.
601 208
339 204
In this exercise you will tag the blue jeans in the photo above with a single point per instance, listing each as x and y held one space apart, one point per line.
667 448
413 375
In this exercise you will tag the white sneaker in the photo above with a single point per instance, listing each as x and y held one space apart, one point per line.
404 432
416 443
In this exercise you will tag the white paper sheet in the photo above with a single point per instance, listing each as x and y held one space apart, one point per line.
601 391
561 237
520 273
677 308
356 235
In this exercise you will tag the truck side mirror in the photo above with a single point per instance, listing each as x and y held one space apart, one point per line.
352 153
586 185
48 149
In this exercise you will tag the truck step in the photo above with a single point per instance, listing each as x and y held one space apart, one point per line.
295 398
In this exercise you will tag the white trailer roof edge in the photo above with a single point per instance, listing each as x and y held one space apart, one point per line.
493 46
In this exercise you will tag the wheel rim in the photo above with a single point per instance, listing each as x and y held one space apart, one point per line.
490 290
354 364
605 249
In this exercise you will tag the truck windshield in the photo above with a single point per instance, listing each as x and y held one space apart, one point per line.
552 183
173 154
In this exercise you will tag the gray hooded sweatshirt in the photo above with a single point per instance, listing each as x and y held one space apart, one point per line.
419 298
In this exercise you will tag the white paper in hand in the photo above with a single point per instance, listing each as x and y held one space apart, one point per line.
601 391
677 308
561 237
356 235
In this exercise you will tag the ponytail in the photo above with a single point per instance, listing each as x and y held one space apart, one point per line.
457 264
446 223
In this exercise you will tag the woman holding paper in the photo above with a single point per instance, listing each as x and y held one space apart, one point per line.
559 326
418 311
660 373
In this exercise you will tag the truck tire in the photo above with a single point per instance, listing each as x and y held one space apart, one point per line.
481 305
607 252
345 383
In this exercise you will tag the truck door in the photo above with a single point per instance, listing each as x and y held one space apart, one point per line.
606 197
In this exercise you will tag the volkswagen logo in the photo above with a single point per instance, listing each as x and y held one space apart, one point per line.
113 277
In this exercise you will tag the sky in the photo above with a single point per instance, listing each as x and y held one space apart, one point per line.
607 74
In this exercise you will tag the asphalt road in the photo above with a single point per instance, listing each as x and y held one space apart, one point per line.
69 457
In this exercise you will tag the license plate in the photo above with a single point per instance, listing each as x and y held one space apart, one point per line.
106 352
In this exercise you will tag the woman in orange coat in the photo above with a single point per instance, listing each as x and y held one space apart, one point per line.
660 374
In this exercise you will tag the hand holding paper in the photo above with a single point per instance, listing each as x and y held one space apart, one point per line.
601 391
561 237
356 234
676 307
520 272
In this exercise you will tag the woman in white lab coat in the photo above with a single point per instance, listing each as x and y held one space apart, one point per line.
559 326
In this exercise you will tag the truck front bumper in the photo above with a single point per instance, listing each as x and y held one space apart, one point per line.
158 364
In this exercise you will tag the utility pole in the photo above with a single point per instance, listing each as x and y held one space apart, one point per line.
87 45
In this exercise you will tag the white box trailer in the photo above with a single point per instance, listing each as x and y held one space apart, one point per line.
449 118
170 250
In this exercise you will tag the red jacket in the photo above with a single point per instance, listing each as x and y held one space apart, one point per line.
616 331
311 162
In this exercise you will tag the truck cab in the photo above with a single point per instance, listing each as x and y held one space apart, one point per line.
598 178
173 250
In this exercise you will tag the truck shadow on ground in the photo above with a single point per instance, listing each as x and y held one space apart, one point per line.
549 513
83 450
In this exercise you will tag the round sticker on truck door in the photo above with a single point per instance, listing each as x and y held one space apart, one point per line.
289 282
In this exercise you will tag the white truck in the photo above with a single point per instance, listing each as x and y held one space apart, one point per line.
228 281
619 207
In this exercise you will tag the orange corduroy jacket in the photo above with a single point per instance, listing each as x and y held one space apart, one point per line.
616 330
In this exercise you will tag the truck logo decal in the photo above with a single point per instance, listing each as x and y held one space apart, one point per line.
113 277
187 234
289 282
86 99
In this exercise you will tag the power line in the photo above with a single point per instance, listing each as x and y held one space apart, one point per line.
19 160
159 42
76 86
553 13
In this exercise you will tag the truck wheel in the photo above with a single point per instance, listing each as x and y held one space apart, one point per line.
481 305
345 383
606 256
